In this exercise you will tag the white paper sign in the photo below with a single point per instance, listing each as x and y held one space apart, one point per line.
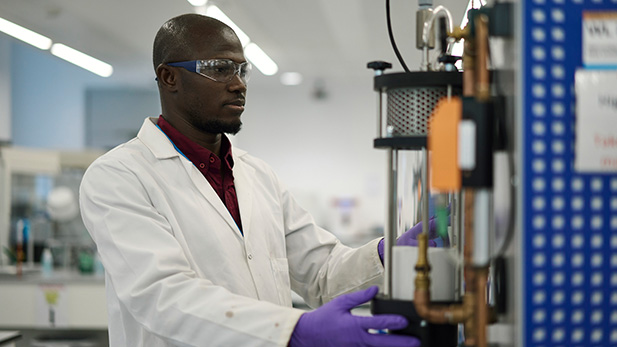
600 39
596 121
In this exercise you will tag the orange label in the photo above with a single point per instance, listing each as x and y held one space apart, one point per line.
445 174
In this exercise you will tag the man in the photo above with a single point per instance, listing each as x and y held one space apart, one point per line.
200 242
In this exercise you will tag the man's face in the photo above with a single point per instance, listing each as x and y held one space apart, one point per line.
211 106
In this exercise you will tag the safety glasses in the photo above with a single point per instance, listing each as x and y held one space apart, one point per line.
219 70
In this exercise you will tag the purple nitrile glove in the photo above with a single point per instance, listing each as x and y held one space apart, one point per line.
409 238
411 235
333 325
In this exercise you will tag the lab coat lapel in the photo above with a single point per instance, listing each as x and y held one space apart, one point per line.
163 149
243 181
208 192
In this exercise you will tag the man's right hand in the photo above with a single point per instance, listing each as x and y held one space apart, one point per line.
334 325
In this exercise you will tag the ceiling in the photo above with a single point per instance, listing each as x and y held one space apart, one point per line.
318 38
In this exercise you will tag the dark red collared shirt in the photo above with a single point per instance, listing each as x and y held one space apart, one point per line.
217 172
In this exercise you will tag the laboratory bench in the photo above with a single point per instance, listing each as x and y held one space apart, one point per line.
64 306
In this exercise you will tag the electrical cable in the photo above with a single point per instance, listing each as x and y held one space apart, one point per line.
391 35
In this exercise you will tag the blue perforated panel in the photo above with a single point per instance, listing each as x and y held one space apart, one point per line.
570 219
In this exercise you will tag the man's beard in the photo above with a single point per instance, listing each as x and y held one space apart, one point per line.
213 125
216 126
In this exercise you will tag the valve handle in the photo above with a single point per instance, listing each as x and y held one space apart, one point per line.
379 65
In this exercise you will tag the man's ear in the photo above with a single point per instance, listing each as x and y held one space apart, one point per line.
167 77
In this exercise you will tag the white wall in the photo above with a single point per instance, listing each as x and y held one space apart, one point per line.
48 94
114 116
322 149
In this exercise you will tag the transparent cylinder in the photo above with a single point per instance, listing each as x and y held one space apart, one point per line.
409 190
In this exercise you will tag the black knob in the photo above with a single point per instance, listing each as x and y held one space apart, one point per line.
448 59
379 65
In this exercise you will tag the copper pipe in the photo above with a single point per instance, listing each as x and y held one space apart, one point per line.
469 274
469 324
482 95
473 312
482 85
469 59
469 298
469 271
482 312
422 294
439 314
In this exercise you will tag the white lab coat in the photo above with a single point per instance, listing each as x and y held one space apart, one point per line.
178 272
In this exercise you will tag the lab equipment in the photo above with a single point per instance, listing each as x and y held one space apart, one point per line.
424 112
27 178
443 265
62 205
330 325
411 99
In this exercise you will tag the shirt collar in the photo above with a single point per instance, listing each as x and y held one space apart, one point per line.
194 152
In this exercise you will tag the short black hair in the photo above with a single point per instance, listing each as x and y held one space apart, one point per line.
175 39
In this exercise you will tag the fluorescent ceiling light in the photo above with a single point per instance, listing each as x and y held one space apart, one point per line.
253 53
26 35
260 59
198 3
291 78
215 12
82 60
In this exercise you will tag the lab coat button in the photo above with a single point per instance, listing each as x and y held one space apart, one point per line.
250 256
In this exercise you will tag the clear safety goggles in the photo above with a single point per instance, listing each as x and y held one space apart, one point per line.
219 70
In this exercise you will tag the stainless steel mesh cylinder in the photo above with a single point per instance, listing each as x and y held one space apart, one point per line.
409 109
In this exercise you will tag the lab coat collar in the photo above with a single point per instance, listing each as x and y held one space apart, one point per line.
156 140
